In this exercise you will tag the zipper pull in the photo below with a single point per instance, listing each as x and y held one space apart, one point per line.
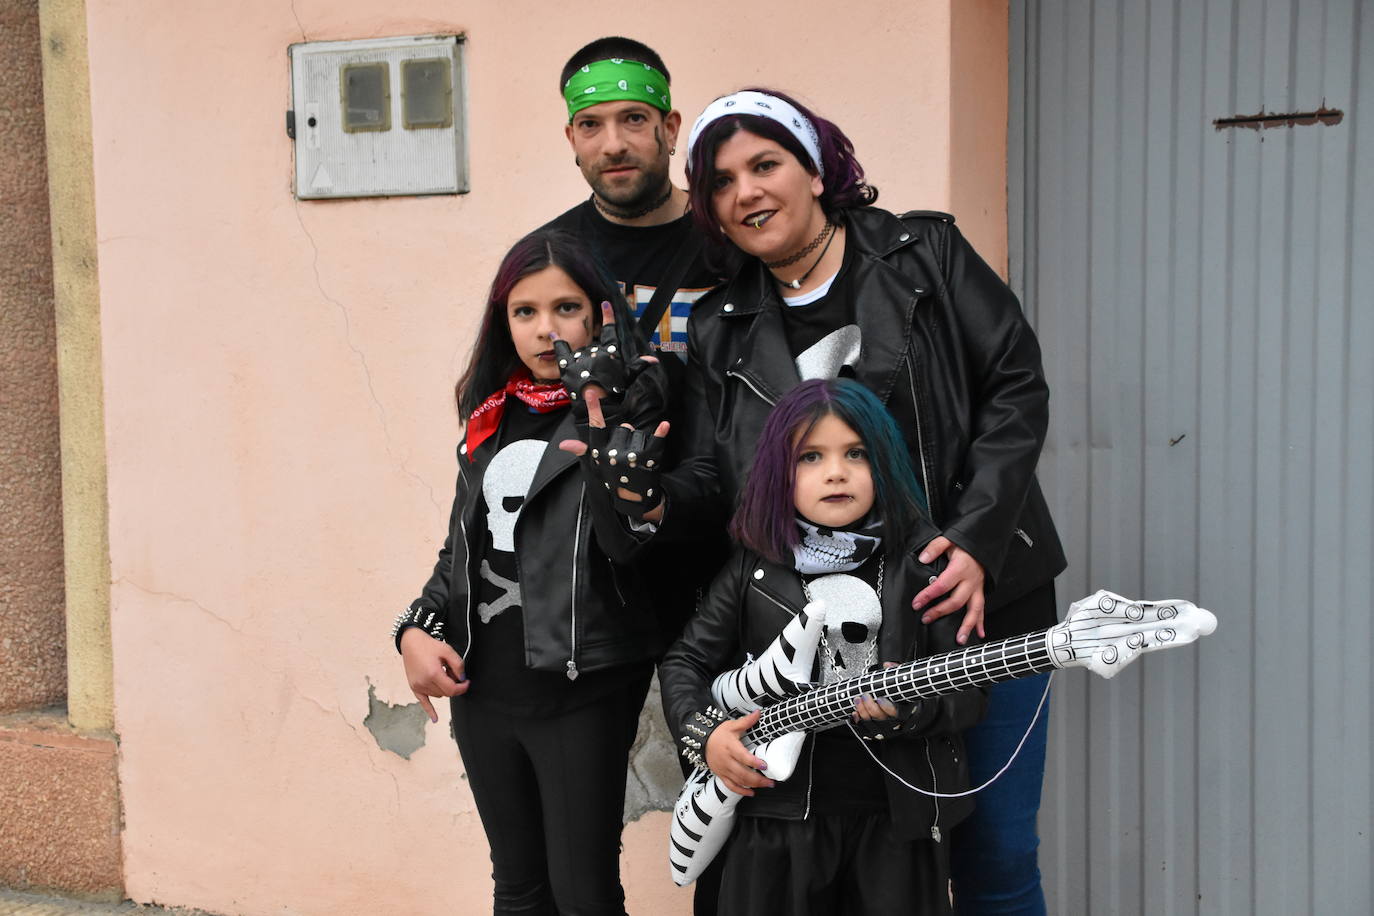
1025 537
935 834
572 670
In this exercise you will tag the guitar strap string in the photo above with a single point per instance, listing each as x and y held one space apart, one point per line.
996 776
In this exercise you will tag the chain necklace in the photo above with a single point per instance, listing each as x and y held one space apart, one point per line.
825 643
615 213
828 233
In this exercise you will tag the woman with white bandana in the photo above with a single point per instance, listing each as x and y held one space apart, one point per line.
828 284
824 284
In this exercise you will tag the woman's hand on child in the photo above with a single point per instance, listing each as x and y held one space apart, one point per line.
728 758
433 668
961 583
628 461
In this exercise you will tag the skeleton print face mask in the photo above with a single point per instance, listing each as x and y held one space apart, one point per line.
825 550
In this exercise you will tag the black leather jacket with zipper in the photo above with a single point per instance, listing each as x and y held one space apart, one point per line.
748 604
947 349
582 611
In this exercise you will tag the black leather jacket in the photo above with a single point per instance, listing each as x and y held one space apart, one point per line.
947 349
746 607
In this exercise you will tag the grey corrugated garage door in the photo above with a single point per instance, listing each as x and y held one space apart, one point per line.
1205 298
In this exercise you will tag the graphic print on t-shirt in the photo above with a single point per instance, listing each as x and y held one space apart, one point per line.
504 486
827 356
671 332
853 616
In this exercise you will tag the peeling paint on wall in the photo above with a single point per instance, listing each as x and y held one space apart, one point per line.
399 729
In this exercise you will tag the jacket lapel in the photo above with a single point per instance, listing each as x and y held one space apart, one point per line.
766 358
554 460
884 317
901 625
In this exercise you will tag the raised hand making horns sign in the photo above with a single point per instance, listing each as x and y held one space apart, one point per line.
600 365
628 461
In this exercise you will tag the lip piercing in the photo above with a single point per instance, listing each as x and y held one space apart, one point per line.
758 222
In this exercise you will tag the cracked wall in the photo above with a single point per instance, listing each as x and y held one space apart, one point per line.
280 432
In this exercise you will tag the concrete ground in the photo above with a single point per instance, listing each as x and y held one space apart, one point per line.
14 903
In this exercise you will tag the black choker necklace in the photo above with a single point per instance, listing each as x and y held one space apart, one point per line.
616 213
827 235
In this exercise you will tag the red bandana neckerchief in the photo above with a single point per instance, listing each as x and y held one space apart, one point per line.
542 397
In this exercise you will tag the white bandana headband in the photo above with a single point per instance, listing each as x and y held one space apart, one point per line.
764 106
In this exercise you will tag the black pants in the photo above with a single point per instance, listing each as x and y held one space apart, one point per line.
844 865
551 795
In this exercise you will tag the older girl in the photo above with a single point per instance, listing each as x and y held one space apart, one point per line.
542 642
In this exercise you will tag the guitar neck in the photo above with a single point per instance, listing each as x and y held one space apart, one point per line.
933 676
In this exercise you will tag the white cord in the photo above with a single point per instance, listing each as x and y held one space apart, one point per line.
996 776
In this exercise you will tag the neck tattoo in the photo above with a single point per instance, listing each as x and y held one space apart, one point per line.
616 213
827 236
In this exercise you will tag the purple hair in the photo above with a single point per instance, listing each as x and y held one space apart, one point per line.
493 353
843 183
765 521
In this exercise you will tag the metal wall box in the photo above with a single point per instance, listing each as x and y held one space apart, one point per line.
379 117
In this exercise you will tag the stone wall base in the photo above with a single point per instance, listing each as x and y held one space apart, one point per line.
60 821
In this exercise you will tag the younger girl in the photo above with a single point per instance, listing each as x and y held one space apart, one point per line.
542 642
830 508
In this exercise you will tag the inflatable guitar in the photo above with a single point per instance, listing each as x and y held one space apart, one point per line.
1103 633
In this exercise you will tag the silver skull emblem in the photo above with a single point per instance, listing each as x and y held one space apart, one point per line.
504 486
853 616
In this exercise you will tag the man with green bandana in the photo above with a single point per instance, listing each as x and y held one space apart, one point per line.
622 129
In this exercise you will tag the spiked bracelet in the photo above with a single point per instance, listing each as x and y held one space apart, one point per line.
417 616
697 731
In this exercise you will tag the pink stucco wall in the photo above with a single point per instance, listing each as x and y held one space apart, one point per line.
280 431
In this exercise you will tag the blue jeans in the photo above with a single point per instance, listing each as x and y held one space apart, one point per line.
993 852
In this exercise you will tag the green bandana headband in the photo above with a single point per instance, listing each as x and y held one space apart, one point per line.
616 80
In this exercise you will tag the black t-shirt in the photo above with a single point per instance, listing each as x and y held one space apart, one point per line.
823 335
638 257
844 778
496 662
